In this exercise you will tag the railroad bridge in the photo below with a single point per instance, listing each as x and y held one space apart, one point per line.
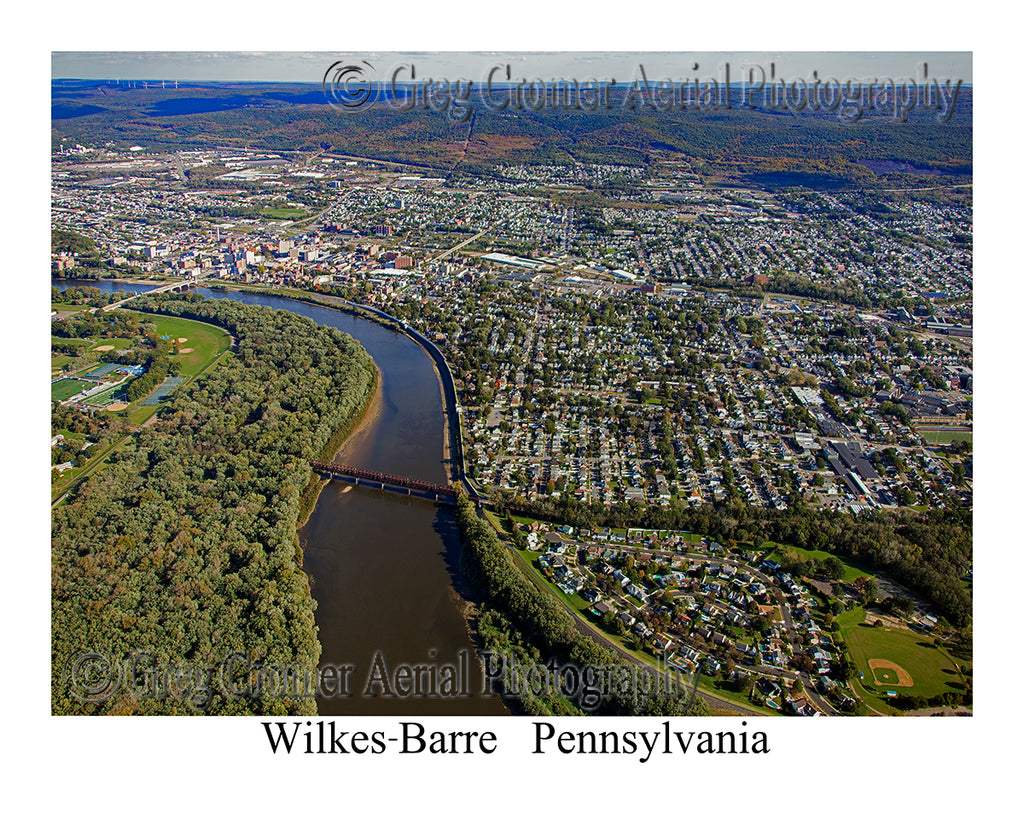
392 483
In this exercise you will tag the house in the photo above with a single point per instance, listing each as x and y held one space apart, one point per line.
801 706
685 658
638 592
625 618
642 630
771 692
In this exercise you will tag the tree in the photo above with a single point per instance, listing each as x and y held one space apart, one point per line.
833 568
869 590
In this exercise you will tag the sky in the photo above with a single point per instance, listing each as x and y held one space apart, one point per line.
310 66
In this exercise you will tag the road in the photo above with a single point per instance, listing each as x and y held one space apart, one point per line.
437 257
165 289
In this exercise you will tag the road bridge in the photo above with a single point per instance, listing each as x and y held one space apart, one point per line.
167 288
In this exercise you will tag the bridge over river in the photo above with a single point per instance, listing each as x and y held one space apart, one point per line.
393 483
167 288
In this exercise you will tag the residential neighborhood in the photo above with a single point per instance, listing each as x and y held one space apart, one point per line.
695 347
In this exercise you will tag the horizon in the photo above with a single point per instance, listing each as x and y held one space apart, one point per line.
308 68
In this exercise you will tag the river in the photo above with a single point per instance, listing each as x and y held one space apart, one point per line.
383 567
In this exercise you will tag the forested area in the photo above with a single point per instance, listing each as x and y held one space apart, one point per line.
528 627
110 325
786 148
68 241
183 549
929 552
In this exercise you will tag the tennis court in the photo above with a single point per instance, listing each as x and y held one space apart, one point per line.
162 391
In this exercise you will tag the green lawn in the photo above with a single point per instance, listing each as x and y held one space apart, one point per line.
204 340
65 388
573 601
932 670
57 362
945 437
283 213
851 572
74 342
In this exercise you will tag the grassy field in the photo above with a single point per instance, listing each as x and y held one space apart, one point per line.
851 572
931 670
934 436
116 343
58 362
283 213
205 341
65 388
74 342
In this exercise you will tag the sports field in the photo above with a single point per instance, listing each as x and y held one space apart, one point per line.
104 399
945 436
283 213
896 659
103 344
203 342
194 346
66 387
163 389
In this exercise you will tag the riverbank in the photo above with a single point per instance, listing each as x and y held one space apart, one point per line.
360 423
452 456
383 568
233 541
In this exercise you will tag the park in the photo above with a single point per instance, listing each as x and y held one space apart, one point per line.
894 660
101 373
